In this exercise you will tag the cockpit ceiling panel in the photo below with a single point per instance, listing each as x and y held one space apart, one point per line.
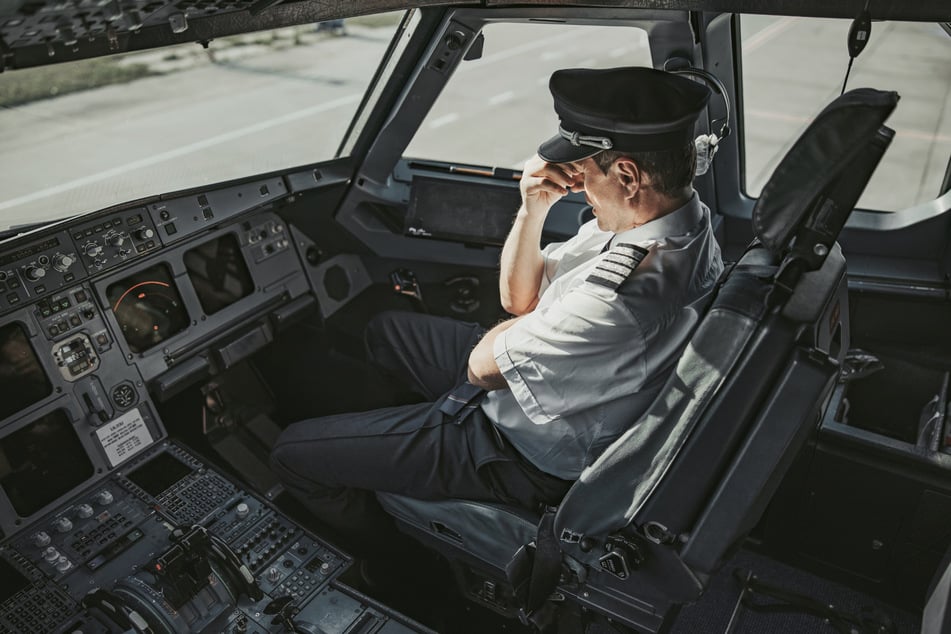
37 32
915 10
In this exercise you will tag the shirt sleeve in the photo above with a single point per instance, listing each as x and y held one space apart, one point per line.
582 350
554 252
551 254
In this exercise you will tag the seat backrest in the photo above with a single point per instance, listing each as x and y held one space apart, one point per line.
695 471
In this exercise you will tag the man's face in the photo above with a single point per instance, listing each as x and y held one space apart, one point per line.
606 195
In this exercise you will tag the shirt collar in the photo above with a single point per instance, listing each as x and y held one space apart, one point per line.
678 222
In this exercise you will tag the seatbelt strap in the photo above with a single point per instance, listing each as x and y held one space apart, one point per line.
463 399
546 568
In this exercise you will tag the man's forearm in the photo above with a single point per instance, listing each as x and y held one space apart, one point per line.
522 265
483 369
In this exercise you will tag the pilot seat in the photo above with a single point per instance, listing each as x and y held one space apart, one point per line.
650 521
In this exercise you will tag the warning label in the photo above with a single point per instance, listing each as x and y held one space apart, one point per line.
124 437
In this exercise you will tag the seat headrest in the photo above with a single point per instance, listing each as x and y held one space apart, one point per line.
816 160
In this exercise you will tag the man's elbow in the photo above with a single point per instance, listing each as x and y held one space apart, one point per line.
517 306
474 378
482 370
486 380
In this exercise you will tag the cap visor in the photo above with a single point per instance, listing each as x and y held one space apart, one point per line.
559 150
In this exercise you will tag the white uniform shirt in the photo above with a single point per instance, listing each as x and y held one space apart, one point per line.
588 361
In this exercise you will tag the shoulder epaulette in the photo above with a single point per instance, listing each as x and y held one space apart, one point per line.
617 265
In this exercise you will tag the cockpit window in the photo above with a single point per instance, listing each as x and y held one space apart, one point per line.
86 135
496 110
793 66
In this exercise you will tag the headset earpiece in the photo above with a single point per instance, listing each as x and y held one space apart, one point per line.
707 144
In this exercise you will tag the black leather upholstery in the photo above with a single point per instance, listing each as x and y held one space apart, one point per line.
827 148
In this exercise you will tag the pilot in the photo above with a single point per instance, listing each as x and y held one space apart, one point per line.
516 413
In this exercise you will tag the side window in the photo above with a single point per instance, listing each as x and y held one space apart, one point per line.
496 110
792 67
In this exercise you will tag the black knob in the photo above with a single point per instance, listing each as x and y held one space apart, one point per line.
62 262
35 273
456 40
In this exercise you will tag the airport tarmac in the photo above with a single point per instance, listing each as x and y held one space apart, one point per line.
270 108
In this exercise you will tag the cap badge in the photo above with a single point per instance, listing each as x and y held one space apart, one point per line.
577 139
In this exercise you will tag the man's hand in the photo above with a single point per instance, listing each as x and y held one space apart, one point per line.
522 265
543 184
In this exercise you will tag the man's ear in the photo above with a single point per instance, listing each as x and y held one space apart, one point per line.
629 174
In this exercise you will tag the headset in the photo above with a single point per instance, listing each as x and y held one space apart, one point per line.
706 143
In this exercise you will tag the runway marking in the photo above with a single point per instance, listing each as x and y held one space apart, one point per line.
520 49
547 56
508 95
183 150
265 125
444 120
921 135
777 116
618 52
759 38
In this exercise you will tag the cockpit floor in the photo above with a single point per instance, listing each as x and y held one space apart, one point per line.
715 609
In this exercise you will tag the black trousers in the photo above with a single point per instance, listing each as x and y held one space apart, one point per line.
334 464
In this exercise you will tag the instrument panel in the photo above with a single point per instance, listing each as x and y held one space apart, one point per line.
102 314
107 526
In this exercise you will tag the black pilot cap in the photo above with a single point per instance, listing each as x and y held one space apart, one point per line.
626 109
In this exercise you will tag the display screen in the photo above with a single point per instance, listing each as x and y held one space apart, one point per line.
159 473
22 379
218 273
11 580
42 461
148 307
467 212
